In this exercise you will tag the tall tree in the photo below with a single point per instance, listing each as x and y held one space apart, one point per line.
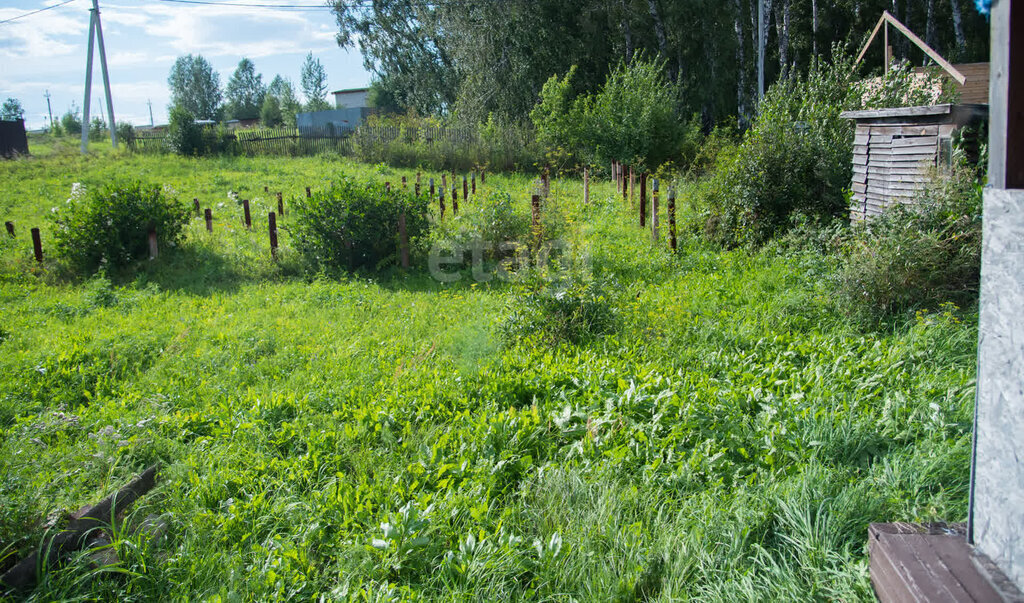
11 110
405 43
741 61
281 89
245 91
195 87
958 27
314 84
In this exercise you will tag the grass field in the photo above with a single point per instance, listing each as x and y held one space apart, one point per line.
376 439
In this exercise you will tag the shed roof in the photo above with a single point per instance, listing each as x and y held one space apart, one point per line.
922 111
350 90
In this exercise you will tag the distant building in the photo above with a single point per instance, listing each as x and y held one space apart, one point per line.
352 98
351 108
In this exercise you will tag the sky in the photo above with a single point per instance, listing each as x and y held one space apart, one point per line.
47 51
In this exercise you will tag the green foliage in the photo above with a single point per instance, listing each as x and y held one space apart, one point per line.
794 161
918 255
558 120
270 113
901 86
125 132
282 90
632 119
314 84
383 97
184 135
354 225
245 91
444 144
730 439
97 128
109 227
12 110
71 123
565 310
195 87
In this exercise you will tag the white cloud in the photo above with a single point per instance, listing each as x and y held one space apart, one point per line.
47 52
47 35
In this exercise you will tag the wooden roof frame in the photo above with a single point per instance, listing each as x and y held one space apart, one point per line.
887 19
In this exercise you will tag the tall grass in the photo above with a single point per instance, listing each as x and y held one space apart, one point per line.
373 439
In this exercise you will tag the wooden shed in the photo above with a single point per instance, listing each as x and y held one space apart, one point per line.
896 151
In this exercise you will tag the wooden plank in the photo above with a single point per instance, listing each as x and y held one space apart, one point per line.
923 151
920 563
914 141
81 531
899 112
871 38
909 130
950 69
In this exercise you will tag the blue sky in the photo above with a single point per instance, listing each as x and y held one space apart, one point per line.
46 51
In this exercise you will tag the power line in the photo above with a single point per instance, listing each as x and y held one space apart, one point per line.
36 11
252 5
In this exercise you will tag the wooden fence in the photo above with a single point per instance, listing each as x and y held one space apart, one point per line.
310 141
259 141
427 134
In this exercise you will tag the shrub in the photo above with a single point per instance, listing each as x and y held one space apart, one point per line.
794 160
184 135
919 255
71 123
794 163
109 226
434 144
97 129
354 225
125 133
568 310
632 119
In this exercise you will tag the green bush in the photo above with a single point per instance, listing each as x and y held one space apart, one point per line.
568 310
416 142
919 255
632 119
109 226
125 133
184 135
71 123
793 165
98 129
795 160
354 225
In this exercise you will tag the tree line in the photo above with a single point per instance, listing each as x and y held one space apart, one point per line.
477 59
195 88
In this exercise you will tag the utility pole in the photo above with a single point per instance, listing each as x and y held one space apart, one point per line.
48 109
96 33
760 50
150 103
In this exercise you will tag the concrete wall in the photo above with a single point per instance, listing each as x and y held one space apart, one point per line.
340 119
998 495
351 100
